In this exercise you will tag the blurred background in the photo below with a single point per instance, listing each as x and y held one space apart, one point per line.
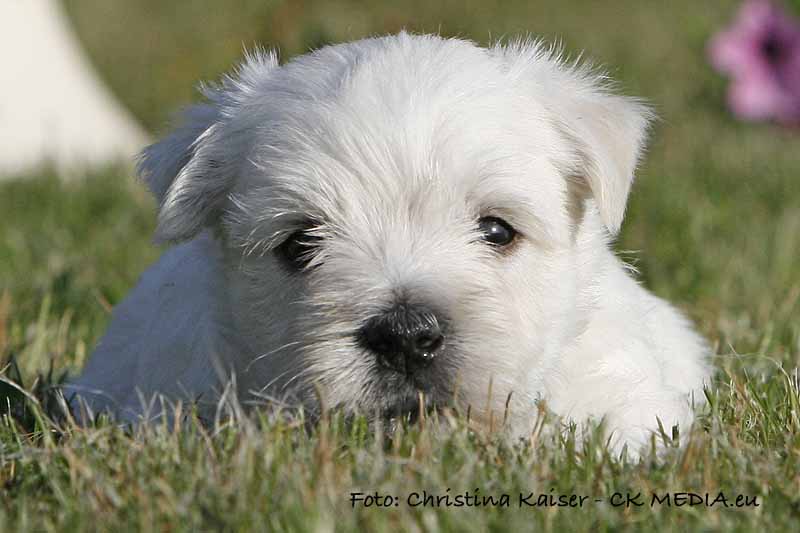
714 217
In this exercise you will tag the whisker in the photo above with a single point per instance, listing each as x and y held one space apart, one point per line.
271 352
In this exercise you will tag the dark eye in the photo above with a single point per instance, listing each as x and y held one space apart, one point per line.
297 250
496 231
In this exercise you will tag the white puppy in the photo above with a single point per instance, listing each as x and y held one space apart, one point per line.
395 216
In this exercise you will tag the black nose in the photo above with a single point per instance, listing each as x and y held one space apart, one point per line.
404 338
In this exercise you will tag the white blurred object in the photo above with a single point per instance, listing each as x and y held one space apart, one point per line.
53 107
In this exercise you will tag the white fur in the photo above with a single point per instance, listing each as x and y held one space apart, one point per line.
395 146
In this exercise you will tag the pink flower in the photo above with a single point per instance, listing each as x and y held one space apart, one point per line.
761 53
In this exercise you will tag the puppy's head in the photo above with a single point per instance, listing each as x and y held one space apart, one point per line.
403 215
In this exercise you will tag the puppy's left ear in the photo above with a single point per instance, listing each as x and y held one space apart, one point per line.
608 133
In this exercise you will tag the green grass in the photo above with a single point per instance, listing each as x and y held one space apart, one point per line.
713 225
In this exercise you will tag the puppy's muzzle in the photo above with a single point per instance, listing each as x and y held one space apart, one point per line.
406 338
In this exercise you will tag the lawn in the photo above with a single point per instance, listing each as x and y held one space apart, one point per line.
713 225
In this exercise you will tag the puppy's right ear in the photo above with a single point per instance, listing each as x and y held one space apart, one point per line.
192 170
184 175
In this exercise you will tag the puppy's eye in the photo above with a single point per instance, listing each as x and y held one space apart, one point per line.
297 250
496 231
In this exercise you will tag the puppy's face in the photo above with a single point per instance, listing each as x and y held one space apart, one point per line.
399 217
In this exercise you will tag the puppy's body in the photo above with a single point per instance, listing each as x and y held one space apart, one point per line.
385 161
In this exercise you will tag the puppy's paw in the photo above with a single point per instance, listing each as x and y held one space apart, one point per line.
641 424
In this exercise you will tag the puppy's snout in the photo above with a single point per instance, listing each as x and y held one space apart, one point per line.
405 338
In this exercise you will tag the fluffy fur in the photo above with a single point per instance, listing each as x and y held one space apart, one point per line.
394 147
